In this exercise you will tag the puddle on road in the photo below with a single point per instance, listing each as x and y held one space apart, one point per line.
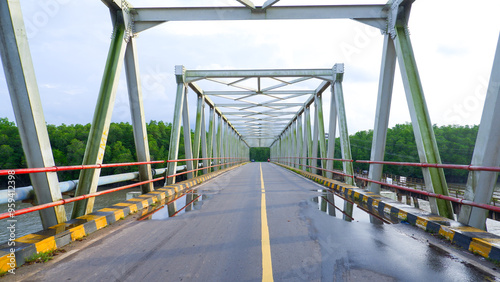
333 205
175 205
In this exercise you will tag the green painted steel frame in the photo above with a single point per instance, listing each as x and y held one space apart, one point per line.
27 106
98 135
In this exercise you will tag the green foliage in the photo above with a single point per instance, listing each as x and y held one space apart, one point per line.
42 257
455 143
68 147
260 154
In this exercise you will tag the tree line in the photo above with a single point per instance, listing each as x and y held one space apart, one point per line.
456 145
68 147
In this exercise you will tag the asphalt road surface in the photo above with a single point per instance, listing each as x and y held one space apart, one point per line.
224 238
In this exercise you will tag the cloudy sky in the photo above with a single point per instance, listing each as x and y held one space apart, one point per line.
454 43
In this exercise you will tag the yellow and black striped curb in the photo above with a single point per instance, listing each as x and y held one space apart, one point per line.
62 234
475 240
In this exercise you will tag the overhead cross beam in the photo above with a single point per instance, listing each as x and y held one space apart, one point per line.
373 15
248 117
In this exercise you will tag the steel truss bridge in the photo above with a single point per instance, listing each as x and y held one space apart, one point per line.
264 108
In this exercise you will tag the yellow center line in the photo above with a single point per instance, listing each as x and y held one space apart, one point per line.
267 263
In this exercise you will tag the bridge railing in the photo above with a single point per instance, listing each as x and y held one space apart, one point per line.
450 166
290 161
10 173
403 188
430 194
221 162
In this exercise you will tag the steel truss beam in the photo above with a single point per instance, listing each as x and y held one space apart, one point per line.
98 135
481 184
374 15
250 121
27 106
424 133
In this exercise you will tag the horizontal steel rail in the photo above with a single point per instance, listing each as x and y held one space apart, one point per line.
72 167
430 194
27 193
450 166
74 199
312 158
327 170
193 170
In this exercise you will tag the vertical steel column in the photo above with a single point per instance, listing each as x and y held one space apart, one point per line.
197 131
279 150
211 137
315 136
424 133
98 135
188 149
331 134
481 184
27 106
345 144
285 148
137 113
223 143
228 143
293 134
321 131
173 150
204 142
307 136
386 82
282 145
300 141
219 142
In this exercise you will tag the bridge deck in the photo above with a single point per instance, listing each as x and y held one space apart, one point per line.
222 241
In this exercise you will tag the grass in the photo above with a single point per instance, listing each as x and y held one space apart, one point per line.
42 257
494 261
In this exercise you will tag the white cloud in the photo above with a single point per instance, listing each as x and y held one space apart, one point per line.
454 51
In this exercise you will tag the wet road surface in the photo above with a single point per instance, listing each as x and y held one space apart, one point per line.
222 239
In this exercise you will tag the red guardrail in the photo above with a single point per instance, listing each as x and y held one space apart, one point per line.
72 167
429 194
199 159
324 169
450 166
193 170
82 197
74 199
311 158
